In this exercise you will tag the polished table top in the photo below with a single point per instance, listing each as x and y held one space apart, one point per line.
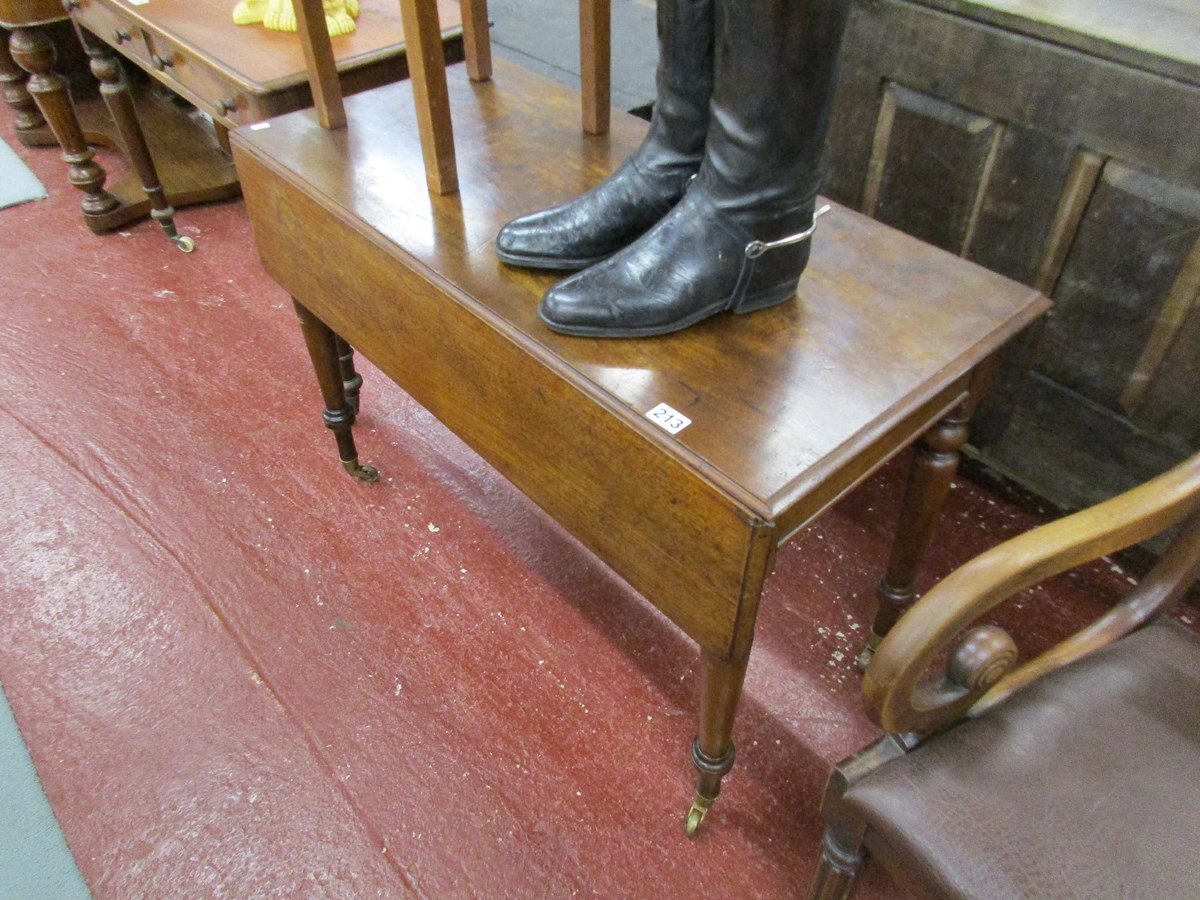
777 399
255 58
22 13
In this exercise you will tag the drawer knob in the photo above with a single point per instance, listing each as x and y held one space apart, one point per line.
163 62
121 35
227 105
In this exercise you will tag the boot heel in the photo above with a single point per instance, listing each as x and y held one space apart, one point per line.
769 279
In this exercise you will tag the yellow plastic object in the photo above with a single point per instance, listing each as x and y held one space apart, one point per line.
279 15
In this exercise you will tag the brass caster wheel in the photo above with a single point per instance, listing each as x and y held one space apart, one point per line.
696 815
864 657
368 474
184 243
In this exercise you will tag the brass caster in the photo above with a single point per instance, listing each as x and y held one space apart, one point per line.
368 474
184 243
696 815
864 658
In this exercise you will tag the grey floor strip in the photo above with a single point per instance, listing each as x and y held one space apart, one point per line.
35 863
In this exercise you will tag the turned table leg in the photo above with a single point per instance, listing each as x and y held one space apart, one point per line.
29 123
934 464
115 89
712 751
351 380
339 417
34 53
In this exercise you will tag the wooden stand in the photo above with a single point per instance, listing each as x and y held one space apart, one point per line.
790 408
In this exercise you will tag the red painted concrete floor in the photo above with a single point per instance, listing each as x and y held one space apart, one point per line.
240 673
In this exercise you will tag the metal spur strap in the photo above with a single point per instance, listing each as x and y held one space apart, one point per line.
755 249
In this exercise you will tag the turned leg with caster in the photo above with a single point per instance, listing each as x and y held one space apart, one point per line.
115 89
339 417
351 380
34 53
712 752
934 465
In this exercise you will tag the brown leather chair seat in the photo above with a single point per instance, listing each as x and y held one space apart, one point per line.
1084 784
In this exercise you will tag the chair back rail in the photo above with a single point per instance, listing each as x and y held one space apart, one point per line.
595 60
427 69
477 46
319 61
427 64
980 668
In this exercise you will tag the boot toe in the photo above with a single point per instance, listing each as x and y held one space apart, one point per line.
571 308
543 240
603 302
594 225
522 237
538 242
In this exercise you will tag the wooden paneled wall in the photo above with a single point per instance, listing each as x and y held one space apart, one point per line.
1064 168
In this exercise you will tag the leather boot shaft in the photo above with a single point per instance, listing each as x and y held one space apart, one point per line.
683 87
775 69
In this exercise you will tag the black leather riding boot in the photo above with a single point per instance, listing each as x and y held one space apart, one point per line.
620 209
738 241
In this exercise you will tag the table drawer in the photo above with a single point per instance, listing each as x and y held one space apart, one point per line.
190 76
180 69
111 27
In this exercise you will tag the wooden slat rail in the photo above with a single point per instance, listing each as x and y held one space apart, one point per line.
318 59
477 46
427 68
595 63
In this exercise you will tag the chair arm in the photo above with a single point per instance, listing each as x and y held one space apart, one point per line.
978 672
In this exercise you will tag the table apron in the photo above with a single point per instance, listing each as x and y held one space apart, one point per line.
691 550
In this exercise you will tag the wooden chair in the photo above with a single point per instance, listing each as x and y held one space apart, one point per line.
1072 775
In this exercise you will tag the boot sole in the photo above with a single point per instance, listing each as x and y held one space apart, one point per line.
552 263
749 304
764 299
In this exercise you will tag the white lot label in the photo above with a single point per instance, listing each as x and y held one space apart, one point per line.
668 419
